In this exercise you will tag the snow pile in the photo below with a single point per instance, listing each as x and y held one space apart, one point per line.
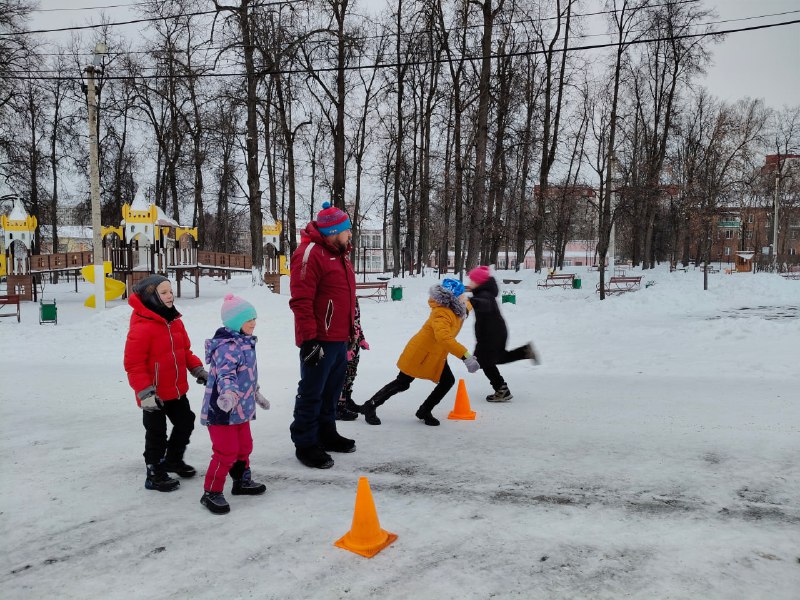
653 454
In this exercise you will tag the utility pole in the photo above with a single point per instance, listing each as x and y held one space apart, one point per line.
775 227
94 179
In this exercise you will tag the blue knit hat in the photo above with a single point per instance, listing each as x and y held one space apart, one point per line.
454 286
332 220
236 312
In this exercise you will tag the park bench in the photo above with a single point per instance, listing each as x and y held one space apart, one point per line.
791 275
620 285
563 280
10 302
375 290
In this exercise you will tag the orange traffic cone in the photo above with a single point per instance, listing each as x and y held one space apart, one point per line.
462 410
365 536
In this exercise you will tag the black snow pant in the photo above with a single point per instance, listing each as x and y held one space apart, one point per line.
506 356
402 382
156 445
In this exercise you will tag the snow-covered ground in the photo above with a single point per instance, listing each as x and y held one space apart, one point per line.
653 454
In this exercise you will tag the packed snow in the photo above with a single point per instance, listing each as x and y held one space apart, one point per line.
653 454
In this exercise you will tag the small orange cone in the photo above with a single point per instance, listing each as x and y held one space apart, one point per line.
462 410
365 536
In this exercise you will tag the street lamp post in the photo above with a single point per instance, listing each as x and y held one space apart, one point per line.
94 177
612 247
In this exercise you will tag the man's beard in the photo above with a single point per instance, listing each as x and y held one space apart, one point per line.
341 246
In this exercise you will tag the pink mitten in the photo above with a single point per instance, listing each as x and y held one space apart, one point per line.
350 355
364 344
226 401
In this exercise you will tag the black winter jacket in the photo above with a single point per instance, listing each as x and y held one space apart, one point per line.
491 333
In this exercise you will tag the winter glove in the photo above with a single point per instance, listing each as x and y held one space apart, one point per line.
148 400
351 354
311 352
200 374
363 344
261 401
471 362
226 401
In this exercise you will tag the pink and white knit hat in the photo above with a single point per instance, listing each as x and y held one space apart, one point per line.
236 312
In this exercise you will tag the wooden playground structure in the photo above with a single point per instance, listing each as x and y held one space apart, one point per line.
145 242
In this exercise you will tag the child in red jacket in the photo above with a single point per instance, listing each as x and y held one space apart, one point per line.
157 356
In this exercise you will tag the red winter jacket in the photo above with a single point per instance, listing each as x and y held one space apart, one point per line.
323 287
157 353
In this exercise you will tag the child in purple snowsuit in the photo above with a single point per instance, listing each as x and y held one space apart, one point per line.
229 405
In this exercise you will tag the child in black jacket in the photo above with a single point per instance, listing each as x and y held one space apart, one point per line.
491 334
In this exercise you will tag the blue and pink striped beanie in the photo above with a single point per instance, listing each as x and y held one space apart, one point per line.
236 312
332 220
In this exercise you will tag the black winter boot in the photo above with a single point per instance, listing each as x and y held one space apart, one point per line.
157 479
350 405
424 413
215 502
314 457
331 441
532 354
343 413
243 484
502 394
368 410
179 467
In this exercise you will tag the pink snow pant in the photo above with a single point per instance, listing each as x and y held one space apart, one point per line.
229 444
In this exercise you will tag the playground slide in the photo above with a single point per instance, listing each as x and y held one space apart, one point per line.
113 288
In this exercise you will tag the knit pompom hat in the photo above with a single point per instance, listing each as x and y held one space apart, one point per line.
332 220
479 275
236 312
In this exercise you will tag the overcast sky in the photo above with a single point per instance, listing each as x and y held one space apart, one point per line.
757 64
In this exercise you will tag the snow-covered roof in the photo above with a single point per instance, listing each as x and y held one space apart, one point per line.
17 212
163 219
76 232
139 201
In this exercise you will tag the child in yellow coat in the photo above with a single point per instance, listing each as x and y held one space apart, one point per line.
425 355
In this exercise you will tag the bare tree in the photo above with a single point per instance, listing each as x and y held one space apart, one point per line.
554 75
241 18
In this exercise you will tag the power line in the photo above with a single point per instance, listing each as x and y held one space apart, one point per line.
135 21
264 72
573 36
131 5
287 2
214 48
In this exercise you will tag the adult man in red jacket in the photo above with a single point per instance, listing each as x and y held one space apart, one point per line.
323 302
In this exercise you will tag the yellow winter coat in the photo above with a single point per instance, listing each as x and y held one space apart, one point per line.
425 354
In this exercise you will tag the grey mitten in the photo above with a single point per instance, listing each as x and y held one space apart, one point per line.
226 401
148 400
471 363
200 374
261 401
